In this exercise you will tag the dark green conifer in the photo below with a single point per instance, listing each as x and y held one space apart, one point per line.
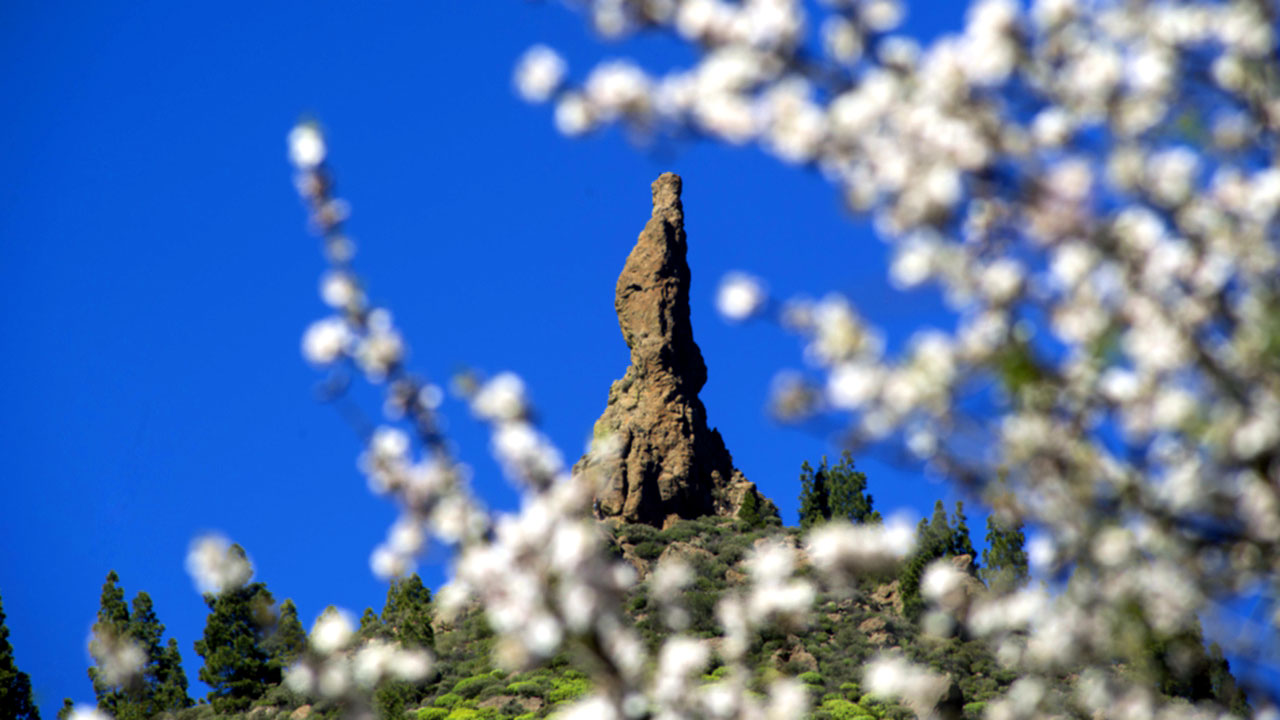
407 612
15 685
370 625
163 683
836 492
815 497
961 543
238 667
112 627
161 686
936 538
847 489
170 691
1223 684
67 708
289 639
749 512
1005 560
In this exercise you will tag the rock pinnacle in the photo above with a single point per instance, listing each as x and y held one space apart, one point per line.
667 463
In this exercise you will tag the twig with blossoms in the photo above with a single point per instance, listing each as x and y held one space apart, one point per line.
1111 376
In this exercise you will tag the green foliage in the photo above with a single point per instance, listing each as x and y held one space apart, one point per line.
571 686
162 684
810 678
837 492
238 665
392 698
935 538
749 512
289 639
370 625
448 700
67 708
1222 684
1005 561
637 533
432 713
15 686
814 495
649 549
407 612
974 710
682 531
835 708
469 688
112 624
537 687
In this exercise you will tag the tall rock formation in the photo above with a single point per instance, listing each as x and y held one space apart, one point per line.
667 463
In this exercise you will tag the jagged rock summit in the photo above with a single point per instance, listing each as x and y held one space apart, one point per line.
667 464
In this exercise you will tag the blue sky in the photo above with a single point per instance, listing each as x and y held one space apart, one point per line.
157 277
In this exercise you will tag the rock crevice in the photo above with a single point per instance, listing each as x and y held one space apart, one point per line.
666 463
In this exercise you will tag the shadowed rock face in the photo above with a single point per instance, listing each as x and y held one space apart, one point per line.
668 464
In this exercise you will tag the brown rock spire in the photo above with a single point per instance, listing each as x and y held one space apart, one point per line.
667 461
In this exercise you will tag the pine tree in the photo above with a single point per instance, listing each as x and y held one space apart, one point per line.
164 684
238 667
407 612
1223 684
1004 558
961 543
938 537
170 691
289 639
112 627
67 709
370 625
837 492
161 686
749 512
15 685
847 488
815 497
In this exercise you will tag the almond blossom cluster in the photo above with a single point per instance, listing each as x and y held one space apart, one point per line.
1094 188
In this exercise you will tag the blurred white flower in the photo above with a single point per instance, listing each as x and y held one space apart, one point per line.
573 115
306 146
539 73
88 712
739 296
501 398
332 631
326 340
214 565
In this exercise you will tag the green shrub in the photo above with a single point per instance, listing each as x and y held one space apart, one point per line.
683 531
851 690
636 534
839 709
432 713
470 687
810 678
974 710
568 688
529 688
649 549
447 700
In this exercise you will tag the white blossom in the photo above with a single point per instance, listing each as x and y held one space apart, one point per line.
539 73
215 566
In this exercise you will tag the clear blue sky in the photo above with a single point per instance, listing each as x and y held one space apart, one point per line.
156 278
